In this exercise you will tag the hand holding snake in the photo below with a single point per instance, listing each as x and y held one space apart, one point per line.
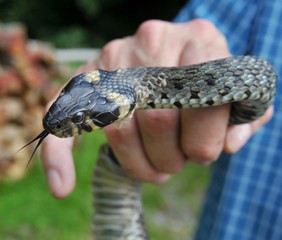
162 139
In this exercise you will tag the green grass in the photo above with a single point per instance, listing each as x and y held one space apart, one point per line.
27 211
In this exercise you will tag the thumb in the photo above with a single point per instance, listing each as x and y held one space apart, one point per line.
58 165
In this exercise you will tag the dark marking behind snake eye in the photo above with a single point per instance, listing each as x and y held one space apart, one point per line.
86 127
105 118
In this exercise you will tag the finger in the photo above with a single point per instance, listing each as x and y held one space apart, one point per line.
127 146
238 135
160 136
58 165
203 130
206 44
146 43
144 48
203 133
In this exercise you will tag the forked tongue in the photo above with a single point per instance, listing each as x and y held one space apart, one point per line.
41 137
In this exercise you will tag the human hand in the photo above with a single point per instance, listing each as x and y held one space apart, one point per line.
156 143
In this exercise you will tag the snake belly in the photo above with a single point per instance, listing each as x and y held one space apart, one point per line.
96 99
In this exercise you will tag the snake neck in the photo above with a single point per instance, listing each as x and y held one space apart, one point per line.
151 87
166 88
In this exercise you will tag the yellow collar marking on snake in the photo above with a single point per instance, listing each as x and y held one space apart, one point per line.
89 121
93 76
123 102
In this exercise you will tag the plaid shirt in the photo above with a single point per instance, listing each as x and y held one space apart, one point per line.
244 199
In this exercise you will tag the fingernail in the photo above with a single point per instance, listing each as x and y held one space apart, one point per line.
54 180
162 179
237 136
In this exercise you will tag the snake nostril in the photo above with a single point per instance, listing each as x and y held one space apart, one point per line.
54 124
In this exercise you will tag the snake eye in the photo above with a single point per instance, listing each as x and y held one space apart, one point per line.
78 117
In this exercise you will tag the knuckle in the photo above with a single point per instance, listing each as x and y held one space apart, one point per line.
149 28
159 120
110 49
207 31
154 120
149 35
204 25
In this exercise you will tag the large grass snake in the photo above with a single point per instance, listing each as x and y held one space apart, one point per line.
98 98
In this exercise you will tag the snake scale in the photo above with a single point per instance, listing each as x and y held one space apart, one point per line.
98 98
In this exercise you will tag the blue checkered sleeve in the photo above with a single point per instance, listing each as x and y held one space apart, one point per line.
244 199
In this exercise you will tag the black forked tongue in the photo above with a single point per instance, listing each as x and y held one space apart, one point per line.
41 137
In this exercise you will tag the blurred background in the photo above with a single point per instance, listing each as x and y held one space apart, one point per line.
32 33
84 23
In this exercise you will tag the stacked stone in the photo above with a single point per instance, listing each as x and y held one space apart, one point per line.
26 71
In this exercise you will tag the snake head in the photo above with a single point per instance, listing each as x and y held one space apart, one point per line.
87 103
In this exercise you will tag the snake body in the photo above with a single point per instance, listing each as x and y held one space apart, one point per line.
117 202
96 99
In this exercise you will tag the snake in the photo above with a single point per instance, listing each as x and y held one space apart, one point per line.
95 99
